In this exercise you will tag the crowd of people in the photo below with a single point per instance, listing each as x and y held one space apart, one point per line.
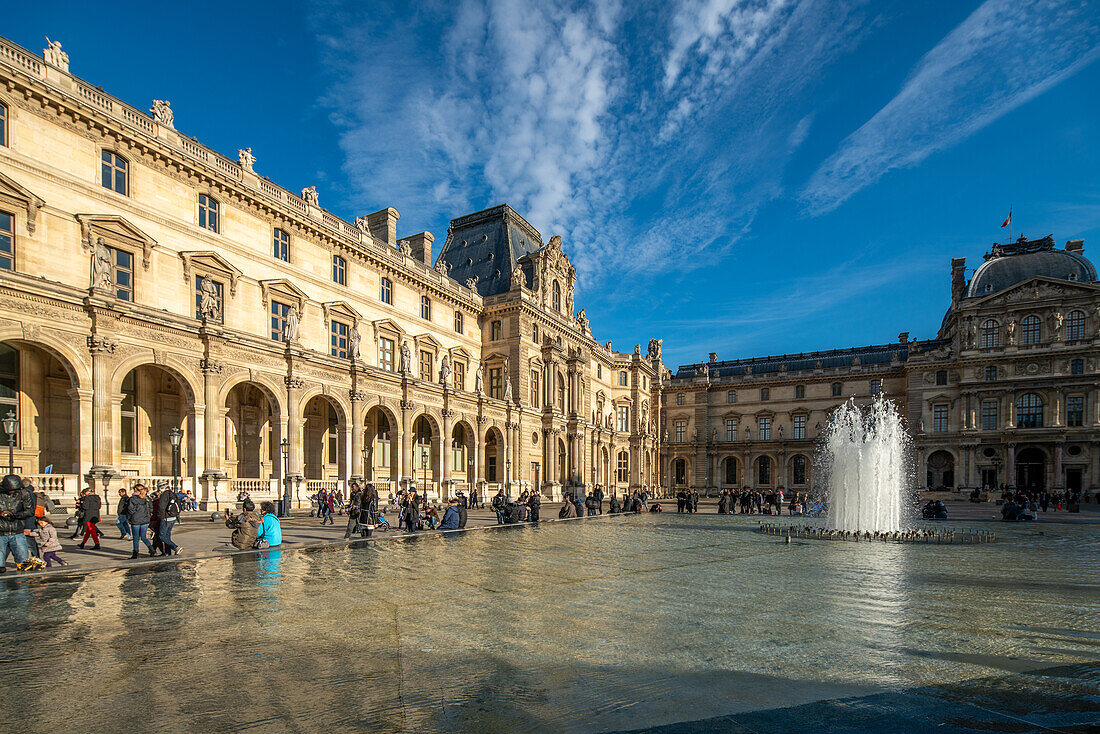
747 502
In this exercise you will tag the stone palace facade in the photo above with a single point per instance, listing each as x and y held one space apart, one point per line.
1007 392
154 291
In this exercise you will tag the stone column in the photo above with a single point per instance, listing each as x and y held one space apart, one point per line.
1010 465
405 471
82 419
1059 480
357 472
294 424
445 441
478 448
103 438
518 469
211 373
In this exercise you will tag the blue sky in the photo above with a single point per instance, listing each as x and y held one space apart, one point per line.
744 177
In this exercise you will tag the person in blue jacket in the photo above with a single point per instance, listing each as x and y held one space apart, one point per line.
451 517
271 532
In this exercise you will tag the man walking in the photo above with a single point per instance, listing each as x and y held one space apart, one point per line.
14 511
138 514
498 505
598 493
91 504
121 521
168 513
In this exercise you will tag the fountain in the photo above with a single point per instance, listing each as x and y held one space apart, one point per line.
864 461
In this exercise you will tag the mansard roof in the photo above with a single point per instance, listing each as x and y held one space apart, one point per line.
486 245
1008 264
832 358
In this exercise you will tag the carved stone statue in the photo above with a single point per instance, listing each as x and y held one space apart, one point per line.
310 196
354 340
1056 321
406 359
507 387
748 433
54 56
1012 331
970 334
655 348
162 112
101 265
246 159
361 223
780 430
694 435
208 299
445 371
471 283
479 380
638 349
442 267
714 435
290 329
518 278
406 247
582 320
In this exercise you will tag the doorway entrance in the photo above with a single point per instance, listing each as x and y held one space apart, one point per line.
1031 470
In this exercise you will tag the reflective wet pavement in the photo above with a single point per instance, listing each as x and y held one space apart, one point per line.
693 623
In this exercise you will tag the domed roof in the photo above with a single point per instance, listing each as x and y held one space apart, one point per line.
1007 265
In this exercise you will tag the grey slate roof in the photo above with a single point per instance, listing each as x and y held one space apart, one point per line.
486 245
1009 264
874 354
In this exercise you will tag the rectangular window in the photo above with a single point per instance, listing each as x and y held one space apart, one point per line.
198 296
338 340
624 417
731 429
3 125
941 377
339 270
458 376
731 396
764 426
426 363
495 329
208 213
799 392
535 396
279 312
837 388
113 172
535 338
939 419
765 393
458 322
989 415
122 274
128 413
679 398
280 245
496 385
799 422
1077 367
680 431
385 291
876 387
991 373
1075 411
425 308
7 241
385 354
622 379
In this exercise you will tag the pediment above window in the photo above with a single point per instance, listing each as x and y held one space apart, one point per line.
341 311
115 230
427 342
281 289
13 194
458 353
387 326
208 262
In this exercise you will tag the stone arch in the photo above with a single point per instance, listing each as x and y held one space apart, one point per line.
462 445
940 469
731 471
155 399
426 440
680 470
76 363
764 471
324 437
493 460
188 380
251 429
1031 468
49 415
274 392
795 472
382 445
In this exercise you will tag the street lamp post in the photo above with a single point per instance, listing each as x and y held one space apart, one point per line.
11 425
425 457
176 437
284 509
214 485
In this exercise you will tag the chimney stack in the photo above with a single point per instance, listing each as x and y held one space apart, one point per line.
1076 246
903 337
421 245
958 278
383 225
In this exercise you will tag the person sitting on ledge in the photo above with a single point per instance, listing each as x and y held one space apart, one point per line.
245 526
614 507
514 513
568 509
451 520
271 532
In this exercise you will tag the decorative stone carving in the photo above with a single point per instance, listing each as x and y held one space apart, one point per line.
358 396
479 380
101 266
507 386
1056 321
246 159
294 383
445 371
1012 331
354 340
471 283
655 346
162 113
54 56
442 267
405 247
100 344
208 300
291 327
361 224
582 321
210 366
310 196
406 359
519 280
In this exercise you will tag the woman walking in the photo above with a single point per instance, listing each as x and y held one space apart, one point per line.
90 502
139 513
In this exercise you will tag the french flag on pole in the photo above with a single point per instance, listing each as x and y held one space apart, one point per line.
1007 221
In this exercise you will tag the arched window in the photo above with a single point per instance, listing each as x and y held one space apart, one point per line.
679 469
3 125
208 212
991 334
1075 326
798 470
1029 411
1030 330
555 296
623 470
731 470
763 470
114 172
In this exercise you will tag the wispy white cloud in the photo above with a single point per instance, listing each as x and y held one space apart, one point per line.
1005 53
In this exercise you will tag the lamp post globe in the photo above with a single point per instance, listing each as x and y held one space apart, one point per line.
175 437
11 426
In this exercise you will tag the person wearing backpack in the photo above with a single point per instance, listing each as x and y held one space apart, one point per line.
139 514
168 507
90 503
498 506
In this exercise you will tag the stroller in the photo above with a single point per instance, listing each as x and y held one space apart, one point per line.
381 524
